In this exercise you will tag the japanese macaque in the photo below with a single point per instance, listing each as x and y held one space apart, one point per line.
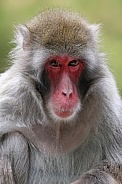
60 110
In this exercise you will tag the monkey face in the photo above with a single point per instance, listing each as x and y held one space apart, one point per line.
63 72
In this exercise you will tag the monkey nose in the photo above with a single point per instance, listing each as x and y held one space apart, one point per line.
67 94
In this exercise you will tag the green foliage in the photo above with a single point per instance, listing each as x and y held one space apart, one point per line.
107 12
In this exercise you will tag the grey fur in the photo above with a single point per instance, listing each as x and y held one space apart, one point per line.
30 158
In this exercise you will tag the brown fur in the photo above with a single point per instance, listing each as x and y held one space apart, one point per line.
55 27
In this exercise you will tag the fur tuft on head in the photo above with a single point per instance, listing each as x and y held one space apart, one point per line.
61 31
56 27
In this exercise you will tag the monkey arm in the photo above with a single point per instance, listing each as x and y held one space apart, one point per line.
105 172
115 170
14 162
6 174
96 177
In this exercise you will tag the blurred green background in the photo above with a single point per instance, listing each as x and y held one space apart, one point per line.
107 12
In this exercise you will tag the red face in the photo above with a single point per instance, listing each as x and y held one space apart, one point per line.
64 72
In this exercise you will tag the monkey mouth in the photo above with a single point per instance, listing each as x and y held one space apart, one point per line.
63 113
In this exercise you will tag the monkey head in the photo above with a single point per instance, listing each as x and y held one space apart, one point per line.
63 50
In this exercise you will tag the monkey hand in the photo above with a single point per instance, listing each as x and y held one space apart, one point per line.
95 176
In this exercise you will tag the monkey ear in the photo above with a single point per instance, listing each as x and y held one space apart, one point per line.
23 37
95 30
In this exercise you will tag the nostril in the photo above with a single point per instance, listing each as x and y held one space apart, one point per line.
64 94
70 95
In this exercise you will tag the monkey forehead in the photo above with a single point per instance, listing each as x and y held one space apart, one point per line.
58 27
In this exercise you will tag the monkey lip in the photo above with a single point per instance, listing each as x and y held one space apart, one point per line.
63 113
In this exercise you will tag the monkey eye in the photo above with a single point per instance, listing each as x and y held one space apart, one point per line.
54 63
73 63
